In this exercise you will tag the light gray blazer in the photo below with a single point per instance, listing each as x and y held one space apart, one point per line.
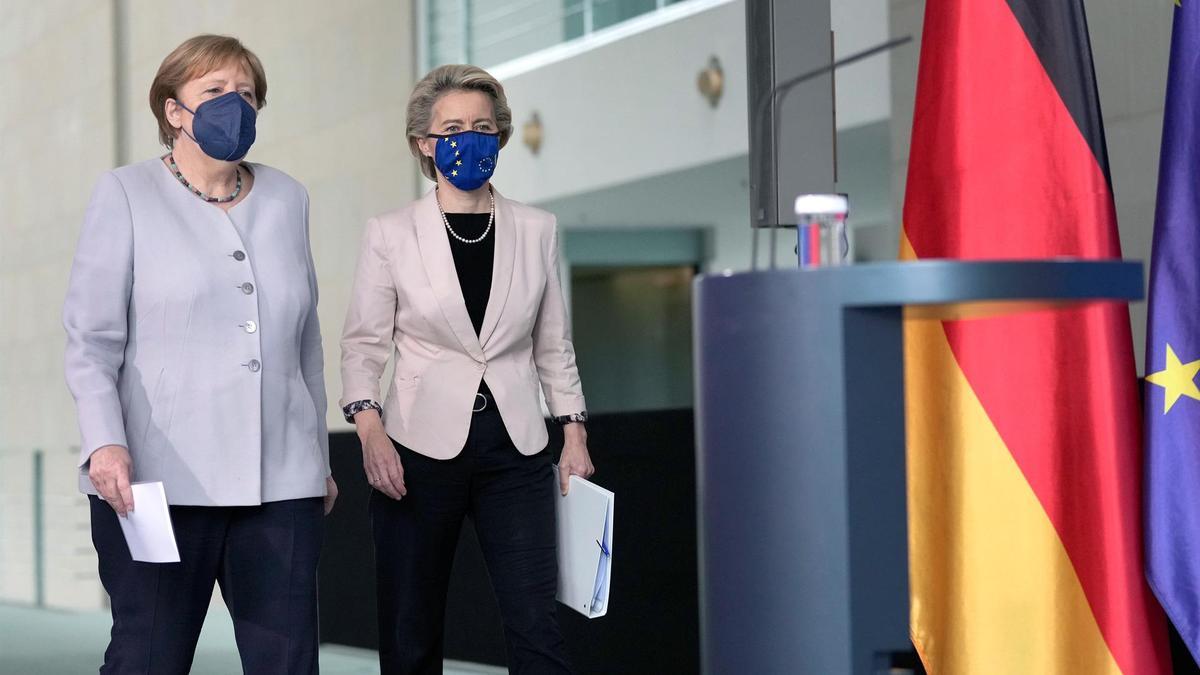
192 338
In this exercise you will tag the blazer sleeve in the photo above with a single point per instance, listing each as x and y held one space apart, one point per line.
370 320
312 356
96 316
553 352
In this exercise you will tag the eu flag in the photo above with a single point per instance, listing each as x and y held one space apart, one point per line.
1172 401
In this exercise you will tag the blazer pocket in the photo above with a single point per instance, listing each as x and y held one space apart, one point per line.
406 382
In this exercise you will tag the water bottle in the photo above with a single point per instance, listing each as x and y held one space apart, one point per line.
821 230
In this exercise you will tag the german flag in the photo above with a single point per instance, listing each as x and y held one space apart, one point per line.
1024 435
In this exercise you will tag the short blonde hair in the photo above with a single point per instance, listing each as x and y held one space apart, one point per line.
441 81
194 58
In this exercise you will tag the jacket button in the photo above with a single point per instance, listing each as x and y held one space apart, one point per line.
250 327
239 256
254 365
247 288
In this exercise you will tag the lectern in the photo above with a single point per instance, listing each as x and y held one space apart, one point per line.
800 435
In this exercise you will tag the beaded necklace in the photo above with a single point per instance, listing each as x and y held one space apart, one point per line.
170 157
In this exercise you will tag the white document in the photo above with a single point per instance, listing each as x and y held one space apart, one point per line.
147 528
585 524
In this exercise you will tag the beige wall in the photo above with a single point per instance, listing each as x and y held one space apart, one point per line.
56 122
1130 44
75 77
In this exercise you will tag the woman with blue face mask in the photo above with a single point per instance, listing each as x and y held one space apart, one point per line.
462 285
194 356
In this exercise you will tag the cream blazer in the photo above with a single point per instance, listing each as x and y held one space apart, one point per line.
407 303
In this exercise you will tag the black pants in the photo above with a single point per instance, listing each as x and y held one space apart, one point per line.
510 499
265 560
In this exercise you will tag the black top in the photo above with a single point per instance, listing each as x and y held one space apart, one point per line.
473 262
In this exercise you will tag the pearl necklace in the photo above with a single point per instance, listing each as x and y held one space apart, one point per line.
491 219
214 200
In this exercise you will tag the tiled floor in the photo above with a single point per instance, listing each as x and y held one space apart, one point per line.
50 642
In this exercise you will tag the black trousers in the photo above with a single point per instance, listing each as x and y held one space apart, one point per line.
265 560
510 499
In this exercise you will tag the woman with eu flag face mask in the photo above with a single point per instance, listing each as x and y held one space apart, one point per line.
194 356
462 285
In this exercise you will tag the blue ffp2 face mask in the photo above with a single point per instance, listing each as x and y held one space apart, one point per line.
467 159
223 126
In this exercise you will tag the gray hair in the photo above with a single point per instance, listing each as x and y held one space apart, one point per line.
443 80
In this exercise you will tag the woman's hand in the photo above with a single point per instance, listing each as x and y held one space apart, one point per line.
575 460
380 459
109 469
331 494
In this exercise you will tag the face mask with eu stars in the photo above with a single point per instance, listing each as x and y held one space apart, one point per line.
466 159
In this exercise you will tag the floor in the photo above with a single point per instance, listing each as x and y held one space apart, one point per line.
51 642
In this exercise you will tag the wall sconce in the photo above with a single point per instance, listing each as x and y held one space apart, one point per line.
711 81
531 133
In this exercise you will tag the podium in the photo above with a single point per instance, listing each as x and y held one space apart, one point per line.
800 450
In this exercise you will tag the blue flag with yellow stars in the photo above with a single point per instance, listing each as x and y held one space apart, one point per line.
1172 398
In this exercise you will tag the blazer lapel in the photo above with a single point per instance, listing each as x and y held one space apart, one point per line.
502 266
439 267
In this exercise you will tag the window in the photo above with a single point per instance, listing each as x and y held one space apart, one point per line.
488 33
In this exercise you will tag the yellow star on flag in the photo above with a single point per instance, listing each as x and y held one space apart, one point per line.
1178 379
456 153
455 173
458 163
454 144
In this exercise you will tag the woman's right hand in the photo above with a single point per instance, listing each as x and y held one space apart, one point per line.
109 469
381 462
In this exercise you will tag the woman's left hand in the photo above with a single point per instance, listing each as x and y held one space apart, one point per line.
575 460
331 494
